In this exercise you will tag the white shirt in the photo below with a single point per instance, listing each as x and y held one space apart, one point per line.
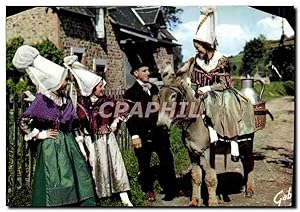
146 86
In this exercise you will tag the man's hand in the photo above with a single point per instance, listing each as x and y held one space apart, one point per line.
137 143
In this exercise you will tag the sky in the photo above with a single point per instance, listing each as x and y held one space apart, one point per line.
235 26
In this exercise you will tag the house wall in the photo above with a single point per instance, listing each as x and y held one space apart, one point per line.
68 30
161 57
34 25
79 32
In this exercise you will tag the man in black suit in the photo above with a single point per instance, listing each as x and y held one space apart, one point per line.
147 137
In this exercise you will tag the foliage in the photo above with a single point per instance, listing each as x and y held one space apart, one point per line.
289 87
273 90
253 52
281 55
181 157
172 16
177 57
48 50
18 82
20 198
235 63
283 58
11 48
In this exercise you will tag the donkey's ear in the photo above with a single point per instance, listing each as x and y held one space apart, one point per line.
167 74
187 68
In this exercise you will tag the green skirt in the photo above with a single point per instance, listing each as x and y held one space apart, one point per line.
61 174
230 112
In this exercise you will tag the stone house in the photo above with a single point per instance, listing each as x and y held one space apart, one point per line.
108 40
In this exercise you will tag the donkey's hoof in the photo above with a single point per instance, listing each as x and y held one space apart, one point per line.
249 194
195 202
212 202
249 191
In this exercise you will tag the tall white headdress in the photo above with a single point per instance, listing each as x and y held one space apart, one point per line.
86 79
46 75
206 29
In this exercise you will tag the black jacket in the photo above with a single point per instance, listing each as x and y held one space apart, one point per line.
141 126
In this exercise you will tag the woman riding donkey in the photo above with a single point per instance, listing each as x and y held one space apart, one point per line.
225 112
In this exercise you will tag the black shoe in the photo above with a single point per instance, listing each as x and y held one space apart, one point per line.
235 158
169 197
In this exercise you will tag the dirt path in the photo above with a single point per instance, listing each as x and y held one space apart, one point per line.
274 154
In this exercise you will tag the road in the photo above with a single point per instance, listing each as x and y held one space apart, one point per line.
274 162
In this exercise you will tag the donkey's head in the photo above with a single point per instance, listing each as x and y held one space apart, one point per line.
183 74
175 93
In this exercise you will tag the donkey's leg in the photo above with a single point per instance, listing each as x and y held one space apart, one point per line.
248 164
196 174
210 179
211 183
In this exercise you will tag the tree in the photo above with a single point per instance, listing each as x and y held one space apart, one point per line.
283 58
172 16
253 52
18 82
177 57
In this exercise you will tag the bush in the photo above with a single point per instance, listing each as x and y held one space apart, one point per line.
289 87
274 90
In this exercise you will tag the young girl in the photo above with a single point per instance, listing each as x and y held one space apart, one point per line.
108 168
61 177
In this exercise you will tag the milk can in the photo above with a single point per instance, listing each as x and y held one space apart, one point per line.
260 111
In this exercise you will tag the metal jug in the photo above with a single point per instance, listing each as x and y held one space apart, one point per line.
248 90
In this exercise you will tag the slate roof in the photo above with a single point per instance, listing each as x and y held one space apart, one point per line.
124 16
78 10
148 14
142 20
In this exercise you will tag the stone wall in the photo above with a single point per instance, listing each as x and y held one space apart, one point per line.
68 30
79 32
162 57
34 25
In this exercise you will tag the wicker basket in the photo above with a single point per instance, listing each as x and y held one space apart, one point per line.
260 115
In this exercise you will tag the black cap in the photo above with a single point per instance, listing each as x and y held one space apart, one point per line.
137 66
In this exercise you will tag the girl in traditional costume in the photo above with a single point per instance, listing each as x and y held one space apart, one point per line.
98 123
62 177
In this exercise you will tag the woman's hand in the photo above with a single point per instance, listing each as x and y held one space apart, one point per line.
104 129
202 90
114 125
44 134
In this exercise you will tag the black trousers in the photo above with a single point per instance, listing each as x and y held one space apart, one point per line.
160 144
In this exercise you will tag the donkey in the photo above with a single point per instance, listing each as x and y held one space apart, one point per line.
177 88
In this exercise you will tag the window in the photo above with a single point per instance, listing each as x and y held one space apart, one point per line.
99 67
80 52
